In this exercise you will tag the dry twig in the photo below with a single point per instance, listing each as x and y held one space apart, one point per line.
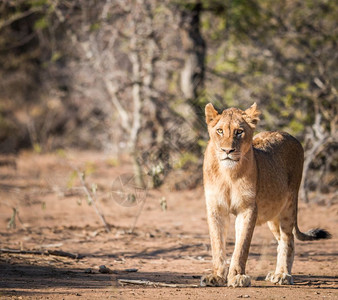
156 284
92 198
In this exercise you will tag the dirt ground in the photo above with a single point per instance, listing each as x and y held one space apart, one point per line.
156 235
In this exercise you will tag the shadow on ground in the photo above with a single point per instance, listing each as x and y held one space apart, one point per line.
31 277
23 279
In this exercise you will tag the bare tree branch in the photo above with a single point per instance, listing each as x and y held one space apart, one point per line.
20 15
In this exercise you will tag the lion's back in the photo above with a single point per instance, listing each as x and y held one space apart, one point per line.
279 154
280 145
275 139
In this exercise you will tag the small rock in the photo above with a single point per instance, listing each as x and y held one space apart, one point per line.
150 235
131 270
104 270
88 271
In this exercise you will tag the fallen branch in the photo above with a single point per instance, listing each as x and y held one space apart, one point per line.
104 270
65 254
48 252
156 284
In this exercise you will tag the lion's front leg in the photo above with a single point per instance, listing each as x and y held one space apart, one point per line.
245 224
218 220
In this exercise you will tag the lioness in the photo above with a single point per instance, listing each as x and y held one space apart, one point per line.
256 179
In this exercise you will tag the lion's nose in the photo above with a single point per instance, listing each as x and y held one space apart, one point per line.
228 151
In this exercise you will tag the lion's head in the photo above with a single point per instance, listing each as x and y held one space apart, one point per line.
231 132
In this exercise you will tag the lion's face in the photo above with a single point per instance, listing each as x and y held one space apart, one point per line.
232 137
231 133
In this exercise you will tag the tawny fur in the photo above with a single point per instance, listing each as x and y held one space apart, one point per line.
257 179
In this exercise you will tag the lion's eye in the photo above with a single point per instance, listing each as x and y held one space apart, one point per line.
219 131
238 132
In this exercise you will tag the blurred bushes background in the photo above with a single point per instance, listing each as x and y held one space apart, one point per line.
133 76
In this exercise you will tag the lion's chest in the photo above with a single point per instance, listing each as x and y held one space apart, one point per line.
241 196
234 197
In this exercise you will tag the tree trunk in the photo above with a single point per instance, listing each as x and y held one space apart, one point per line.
137 106
192 75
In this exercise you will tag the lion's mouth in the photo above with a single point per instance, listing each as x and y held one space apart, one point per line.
229 162
229 159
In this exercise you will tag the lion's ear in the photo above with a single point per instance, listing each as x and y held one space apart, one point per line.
252 115
210 113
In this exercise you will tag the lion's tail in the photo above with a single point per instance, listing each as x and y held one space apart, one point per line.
312 234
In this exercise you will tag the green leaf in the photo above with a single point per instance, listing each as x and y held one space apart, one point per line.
37 148
71 179
184 159
41 23
95 26
56 56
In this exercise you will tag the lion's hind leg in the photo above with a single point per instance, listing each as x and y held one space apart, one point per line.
282 230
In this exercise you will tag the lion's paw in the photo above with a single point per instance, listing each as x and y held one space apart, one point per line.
213 280
280 278
269 276
239 281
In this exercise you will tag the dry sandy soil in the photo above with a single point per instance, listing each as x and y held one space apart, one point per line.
161 233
